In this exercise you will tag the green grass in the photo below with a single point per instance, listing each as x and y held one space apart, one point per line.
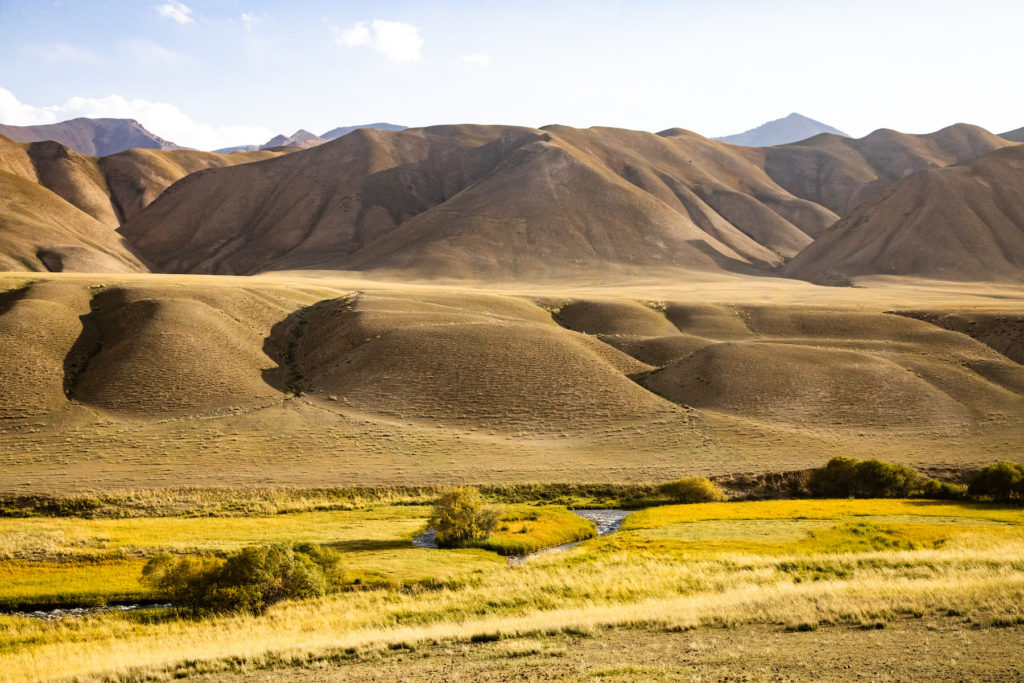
525 529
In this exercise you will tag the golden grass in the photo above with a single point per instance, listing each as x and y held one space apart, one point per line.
630 578
525 529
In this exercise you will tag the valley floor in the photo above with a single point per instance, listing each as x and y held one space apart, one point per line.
941 648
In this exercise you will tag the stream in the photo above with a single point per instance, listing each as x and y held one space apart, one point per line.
607 521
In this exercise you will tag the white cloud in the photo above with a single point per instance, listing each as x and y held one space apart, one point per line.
150 54
476 59
163 119
250 21
397 41
178 11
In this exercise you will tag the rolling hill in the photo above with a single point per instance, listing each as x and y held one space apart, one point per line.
1014 135
792 128
94 137
963 222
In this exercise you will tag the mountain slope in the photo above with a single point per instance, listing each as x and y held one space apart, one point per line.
792 128
840 173
40 231
470 201
1014 135
94 137
113 188
345 130
962 222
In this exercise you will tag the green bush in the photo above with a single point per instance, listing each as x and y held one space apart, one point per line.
461 516
847 477
940 490
249 580
1003 481
692 490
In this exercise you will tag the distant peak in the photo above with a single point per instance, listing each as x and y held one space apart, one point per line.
793 128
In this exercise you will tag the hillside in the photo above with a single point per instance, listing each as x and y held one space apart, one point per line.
792 128
93 137
140 380
839 173
345 130
472 201
1014 135
964 222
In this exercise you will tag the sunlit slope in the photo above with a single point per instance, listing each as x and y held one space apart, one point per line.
482 201
963 222
113 188
141 380
40 231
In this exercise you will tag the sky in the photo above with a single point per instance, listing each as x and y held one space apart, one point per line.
214 73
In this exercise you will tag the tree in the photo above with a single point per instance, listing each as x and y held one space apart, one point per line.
460 516
692 490
248 580
1002 480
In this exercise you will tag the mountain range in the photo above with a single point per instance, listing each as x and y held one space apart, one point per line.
95 137
506 202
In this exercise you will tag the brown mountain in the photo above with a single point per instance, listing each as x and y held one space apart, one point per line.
964 222
483 201
300 138
95 137
1014 135
85 196
839 173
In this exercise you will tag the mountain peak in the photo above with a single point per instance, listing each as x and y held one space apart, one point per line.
792 128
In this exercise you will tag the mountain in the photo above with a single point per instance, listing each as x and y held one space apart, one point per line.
793 128
482 201
300 138
55 199
345 130
1014 135
963 222
237 148
95 137
839 173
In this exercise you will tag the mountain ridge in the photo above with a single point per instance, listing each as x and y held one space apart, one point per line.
792 128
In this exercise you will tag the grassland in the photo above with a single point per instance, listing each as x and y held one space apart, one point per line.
796 565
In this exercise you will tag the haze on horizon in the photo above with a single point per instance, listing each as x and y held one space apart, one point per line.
213 73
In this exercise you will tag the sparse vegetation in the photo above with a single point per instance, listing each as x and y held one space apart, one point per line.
248 580
461 516
851 478
692 490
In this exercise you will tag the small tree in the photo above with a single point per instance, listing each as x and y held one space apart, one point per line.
249 580
692 490
460 516
846 477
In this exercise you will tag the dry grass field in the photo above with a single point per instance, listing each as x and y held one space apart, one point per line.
747 575
120 382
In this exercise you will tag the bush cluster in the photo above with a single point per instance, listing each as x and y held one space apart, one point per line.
851 478
461 516
692 490
249 580
1001 481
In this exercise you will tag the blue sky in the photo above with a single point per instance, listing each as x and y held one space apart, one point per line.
210 73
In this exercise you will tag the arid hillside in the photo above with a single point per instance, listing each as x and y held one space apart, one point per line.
149 380
964 222
502 202
60 202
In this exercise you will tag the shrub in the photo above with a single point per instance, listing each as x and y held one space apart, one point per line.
940 490
692 490
460 516
249 580
1002 481
847 477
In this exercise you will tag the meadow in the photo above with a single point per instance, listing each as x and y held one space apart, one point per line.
784 566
